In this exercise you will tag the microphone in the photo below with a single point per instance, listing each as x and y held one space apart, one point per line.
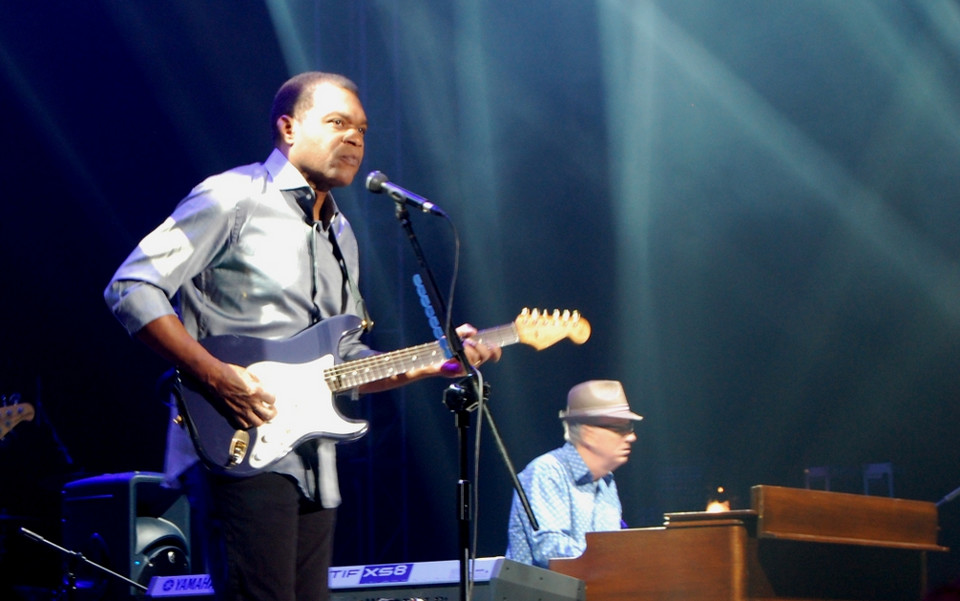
377 182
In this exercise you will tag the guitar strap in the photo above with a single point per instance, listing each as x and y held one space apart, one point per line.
367 323
304 198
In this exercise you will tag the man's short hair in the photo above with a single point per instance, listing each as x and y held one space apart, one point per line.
571 431
295 96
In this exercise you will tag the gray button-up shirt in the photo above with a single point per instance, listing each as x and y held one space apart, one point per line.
242 255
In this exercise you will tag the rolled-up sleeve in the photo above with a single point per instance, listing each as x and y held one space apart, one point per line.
179 249
136 303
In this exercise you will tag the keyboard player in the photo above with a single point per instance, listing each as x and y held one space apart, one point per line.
571 489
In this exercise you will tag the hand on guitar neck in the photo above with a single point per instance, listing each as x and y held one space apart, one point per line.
477 353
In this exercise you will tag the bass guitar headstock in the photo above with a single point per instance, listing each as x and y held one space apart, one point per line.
13 413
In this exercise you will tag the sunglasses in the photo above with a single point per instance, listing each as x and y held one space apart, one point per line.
624 429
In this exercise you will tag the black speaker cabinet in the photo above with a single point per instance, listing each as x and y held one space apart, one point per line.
128 523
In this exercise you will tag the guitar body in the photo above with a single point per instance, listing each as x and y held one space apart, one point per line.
293 371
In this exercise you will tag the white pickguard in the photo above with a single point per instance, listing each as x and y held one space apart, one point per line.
305 409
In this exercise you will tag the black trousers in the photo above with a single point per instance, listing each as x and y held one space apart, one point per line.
262 539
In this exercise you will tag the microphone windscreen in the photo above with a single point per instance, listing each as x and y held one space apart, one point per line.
375 181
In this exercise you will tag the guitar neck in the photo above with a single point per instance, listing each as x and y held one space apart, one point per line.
358 372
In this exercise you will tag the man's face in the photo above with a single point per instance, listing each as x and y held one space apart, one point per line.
326 141
609 440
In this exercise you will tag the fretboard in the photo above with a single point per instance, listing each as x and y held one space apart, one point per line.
358 372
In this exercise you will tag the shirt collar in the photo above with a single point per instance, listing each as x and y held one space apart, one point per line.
290 181
581 473
283 173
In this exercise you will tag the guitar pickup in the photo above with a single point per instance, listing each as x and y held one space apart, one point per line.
238 447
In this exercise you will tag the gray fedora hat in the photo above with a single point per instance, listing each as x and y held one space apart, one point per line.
598 398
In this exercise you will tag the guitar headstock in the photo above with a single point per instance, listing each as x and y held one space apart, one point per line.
541 329
11 415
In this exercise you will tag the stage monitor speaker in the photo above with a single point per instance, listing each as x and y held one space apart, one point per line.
128 523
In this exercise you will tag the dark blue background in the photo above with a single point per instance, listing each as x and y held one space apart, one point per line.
754 204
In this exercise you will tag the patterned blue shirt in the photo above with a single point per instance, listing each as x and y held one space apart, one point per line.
567 503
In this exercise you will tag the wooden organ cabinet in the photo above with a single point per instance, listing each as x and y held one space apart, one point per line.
794 544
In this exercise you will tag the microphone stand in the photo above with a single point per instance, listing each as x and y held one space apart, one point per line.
461 399
76 558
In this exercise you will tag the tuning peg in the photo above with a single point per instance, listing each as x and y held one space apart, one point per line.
566 315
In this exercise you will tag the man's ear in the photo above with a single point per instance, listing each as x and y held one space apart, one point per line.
286 127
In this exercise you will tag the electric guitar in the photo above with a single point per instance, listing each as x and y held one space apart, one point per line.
11 415
304 373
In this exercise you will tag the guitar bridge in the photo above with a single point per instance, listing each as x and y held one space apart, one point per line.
238 447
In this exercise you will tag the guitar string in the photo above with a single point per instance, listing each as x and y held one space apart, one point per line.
354 373
506 335
358 372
